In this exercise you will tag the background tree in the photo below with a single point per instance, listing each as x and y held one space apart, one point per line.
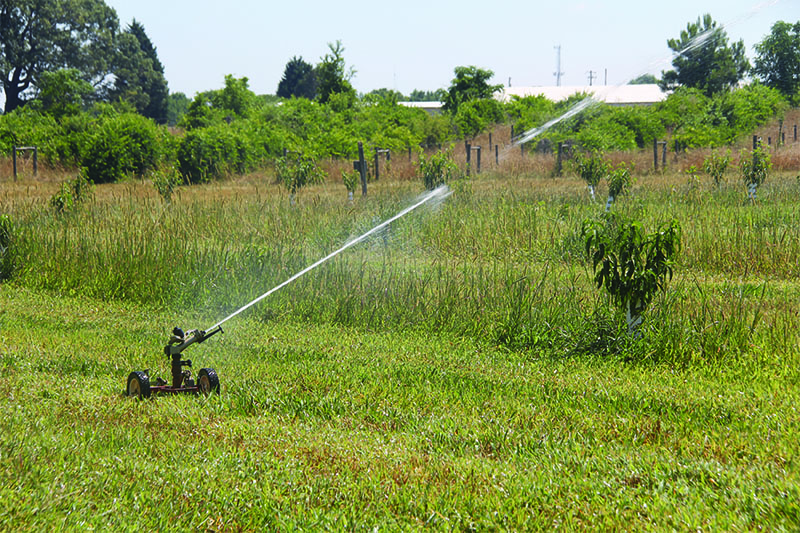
177 104
299 80
39 36
152 80
470 83
778 61
333 76
644 79
704 60
385 95
63 93
427 96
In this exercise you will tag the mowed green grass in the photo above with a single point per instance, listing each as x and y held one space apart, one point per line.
333 416
322 426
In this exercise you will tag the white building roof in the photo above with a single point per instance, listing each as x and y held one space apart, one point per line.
610 94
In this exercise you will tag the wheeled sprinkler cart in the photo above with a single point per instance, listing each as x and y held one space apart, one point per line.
207 381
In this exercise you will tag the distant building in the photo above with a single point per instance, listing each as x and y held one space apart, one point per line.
434 108
620 95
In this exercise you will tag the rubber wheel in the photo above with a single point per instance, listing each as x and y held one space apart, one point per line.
207 381
138 384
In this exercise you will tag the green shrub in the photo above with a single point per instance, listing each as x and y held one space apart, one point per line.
209 153
120 145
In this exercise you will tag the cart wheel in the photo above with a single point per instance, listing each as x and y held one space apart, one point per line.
139 385
207 381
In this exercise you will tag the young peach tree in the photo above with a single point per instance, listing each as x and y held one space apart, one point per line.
631 264
591 167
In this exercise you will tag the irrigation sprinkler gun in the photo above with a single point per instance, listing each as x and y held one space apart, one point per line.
182 382
207 380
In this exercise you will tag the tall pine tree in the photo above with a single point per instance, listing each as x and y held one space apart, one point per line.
139 75
299 79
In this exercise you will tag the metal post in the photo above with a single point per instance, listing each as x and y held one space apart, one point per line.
479 159
497 154
795 133
14 160
490 140
35 160
663 154
377 167
469 154
362 168
655 153
558 158
755 142
512 133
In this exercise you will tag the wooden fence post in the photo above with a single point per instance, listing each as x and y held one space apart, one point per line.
35 160
362 168
558 158
655 153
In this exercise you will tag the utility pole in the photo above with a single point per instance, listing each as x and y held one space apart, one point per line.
558 72
592 76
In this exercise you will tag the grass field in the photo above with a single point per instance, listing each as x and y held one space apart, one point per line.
458 371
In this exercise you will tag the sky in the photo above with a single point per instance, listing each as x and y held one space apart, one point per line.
416 44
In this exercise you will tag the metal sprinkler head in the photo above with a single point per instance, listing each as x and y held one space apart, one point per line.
182 382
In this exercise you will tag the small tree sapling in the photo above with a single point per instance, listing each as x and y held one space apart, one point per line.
754 170
618 181
716 164
296 171
350 180
631 264
438 169
591 168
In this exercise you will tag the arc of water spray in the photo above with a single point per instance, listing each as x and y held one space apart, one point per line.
439 193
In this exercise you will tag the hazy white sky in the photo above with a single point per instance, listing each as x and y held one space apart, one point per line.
415 44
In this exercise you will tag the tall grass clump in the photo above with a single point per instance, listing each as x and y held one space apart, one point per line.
6 249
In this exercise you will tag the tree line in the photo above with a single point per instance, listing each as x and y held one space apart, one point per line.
93 95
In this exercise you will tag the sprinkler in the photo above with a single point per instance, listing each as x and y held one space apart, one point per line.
207 380
182 382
